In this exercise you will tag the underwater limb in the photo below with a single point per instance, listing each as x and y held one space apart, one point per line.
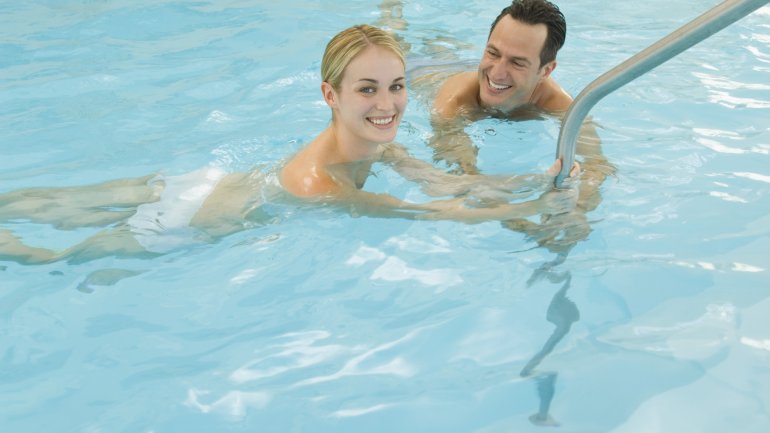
117 242
67 208
454 147
392 17
13 249
556 232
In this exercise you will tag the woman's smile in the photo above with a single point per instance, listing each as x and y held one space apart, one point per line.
382 122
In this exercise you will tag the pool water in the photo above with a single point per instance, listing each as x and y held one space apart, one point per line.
321 321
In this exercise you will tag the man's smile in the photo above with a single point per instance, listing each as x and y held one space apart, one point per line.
496 86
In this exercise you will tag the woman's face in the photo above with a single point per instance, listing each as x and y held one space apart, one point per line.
371 98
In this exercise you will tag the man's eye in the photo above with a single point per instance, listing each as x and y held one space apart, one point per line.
492 54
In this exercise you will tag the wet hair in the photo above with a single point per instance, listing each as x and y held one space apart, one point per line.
348 44
534 12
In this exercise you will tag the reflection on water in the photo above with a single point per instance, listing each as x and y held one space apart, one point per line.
234 404
662 332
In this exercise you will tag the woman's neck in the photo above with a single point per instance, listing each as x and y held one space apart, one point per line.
349 159
350 148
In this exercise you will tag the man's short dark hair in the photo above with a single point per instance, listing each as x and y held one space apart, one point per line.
534 12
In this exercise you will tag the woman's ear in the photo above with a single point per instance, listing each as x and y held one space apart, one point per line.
330 96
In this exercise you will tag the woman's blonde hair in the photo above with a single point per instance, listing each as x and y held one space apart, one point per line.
349 43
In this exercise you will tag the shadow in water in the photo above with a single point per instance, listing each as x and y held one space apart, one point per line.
562 312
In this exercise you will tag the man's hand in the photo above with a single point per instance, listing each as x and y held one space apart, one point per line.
556 168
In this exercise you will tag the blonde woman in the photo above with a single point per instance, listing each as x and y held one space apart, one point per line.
364 85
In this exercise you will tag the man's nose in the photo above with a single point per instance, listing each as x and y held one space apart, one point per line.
497 70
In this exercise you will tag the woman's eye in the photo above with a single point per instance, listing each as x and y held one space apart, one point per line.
368 90
396 87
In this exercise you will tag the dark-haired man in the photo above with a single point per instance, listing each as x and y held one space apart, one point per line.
513 78
513 81
515 70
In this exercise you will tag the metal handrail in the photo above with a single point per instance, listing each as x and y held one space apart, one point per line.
700 28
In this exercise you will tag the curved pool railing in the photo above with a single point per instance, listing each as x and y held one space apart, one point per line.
700 28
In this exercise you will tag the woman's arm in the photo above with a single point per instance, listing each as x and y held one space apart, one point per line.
464 209
437 183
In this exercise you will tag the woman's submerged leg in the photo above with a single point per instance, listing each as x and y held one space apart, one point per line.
117 242
85 206
13 249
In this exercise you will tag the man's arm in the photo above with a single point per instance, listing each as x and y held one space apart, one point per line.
453 146
596 167
452 111
559 233
457 96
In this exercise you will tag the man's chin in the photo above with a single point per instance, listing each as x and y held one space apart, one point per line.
492 103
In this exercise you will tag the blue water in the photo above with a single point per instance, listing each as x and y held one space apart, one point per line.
325 322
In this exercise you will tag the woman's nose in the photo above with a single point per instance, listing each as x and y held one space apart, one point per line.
384 101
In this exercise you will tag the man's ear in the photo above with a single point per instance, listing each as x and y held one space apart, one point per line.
330 96
548 68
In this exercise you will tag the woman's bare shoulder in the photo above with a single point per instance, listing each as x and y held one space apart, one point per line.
303 177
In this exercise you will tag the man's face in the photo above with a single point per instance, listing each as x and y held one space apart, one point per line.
510 69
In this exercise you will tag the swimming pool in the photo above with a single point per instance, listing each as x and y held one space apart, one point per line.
325 322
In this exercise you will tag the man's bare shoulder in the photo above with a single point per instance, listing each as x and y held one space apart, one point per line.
554 98
458 93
